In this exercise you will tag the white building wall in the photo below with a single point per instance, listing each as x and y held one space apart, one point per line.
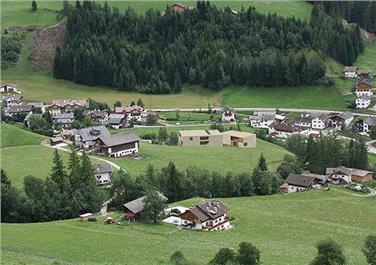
318 124
125 152
364 93
292 189
362 104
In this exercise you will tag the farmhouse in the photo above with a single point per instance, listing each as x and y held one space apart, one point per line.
363 102
200 138
337 120
133 208
364 125
239 139
350 71
97 116
37 105
103 173
131 112
67 105
19 109
363 74
8 101
178 7
56 140
65 119
262 120
304 121
210 216
9 88
283 130
120 144
297 183
117 121
228 115
363 88
88 136
319 121
344 175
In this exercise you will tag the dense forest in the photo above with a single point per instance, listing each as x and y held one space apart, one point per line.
158 52
361 12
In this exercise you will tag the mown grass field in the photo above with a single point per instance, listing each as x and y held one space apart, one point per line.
367 60
13 136
284 227
19 13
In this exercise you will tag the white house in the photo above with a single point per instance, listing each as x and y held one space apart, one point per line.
262 120
228 115
319 121
363 88
120 144
304 121
103 173
9 88
350 71
363 102
65 119
88 136
364 125
297 183
209 216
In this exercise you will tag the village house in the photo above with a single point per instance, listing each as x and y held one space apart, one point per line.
239 139
103 173
363 102
64 119
67 105
363 88
335 121
117 121
297 183
363 74
345 175
304 121
133 208
262 120
21 109
120 144
283 130
319 121
56 140
131 112
228 115
96 116
9 88
209 216
200 138
10 100
364 125
37 106
89 136
178 7
70 135
350 71
146 114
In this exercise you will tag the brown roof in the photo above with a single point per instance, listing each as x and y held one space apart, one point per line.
209 210
299 180
284 127
120 138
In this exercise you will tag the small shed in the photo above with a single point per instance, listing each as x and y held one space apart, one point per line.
56 140
85 216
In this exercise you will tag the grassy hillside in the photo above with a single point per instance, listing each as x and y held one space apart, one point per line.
13 136
16 13
367 60
284 227
221 159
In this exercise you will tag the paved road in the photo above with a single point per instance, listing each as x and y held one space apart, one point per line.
371 194
116 166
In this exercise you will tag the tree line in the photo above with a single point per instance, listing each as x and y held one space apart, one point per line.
63 195
328 151
361 12
206 46
178 185
329 252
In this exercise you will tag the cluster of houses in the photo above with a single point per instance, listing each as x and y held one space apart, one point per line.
309 124
215 138
208 216
340 175
362 86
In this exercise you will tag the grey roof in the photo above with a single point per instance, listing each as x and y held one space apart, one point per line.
209 210
65 115
93 133
116 118
138 205
346 115
36 104
228 109
365 97
11 97
350 69
120 138
102 168
348 171
264 117
370 121
19 108
302 120
321 116
300 180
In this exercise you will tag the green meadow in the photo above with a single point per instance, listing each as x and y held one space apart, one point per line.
14 136
284 227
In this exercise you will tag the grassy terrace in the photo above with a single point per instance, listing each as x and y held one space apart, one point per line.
14 136
284 227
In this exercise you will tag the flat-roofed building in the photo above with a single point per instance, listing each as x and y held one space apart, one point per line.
200 138
240 139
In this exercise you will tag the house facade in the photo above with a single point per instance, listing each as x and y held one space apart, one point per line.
11 100
350 71
363 88
211 138
64 119
130 112
364 125
345 175
89 136
283 130
117 120
228 115
262 120
297 183
319 121
67 105
97 116
363 102
118 145
209 216
9 88
103 173
239 139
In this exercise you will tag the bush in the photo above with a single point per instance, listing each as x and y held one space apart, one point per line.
92 219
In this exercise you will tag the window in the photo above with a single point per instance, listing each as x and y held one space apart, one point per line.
245 144
190 138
